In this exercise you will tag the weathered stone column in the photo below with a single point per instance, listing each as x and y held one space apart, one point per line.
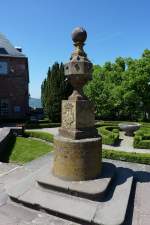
77 149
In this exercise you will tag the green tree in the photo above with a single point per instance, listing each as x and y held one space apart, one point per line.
121 90
53 90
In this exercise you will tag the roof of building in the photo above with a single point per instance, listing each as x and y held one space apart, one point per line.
7 49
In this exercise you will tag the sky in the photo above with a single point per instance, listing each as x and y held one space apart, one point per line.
43 29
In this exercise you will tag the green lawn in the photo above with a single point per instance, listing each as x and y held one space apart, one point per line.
22 150
26 149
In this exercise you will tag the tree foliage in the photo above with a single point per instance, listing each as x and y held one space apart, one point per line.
53 90
121 90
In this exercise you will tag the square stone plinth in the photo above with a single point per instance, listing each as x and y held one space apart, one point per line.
91 189
77 114
78 119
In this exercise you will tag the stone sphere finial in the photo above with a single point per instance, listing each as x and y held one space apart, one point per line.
79 34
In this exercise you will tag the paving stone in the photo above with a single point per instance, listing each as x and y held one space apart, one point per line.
74 207
145 220
141 213
143 198
138 218
25 183
18 212
43 219
3 195
13 214
113 211
38 163
20 173
6 168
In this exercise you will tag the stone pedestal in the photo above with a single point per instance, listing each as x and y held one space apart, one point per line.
78 146
77 149
77 159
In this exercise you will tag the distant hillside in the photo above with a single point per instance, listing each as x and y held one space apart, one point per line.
35 103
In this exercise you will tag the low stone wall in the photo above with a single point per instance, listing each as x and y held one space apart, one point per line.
5 135
18 131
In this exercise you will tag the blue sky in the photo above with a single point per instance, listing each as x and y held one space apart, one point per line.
42 27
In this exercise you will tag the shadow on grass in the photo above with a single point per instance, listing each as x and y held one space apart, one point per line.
7 151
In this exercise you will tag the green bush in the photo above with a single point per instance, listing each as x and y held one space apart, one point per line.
142 138
110 134
143 158
39 125
39 134
106 123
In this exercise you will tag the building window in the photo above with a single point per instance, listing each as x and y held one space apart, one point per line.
17 109
4 107
3 68
3 51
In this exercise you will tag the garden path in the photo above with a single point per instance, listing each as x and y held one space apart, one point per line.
126 142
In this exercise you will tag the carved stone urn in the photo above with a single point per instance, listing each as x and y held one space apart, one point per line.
77 148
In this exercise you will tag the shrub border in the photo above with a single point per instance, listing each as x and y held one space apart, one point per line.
133 157
40 135
142 158
109 137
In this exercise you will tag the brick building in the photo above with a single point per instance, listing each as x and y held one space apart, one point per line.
14 80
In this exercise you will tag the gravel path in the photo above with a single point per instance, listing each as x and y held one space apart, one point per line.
126 142
126 145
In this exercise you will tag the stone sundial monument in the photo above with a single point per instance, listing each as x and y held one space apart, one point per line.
78 145
74 183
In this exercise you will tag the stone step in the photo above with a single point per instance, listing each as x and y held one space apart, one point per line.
93 189
6 168
60 204
110 211
113 211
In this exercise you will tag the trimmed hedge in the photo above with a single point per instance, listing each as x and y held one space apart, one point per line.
143 158
38 125
39 134
110 134
107 123
142 138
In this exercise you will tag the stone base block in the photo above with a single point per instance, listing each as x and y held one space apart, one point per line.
91 189
77 134
110 210
77 160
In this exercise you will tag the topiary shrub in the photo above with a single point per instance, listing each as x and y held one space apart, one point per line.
142 138
110 134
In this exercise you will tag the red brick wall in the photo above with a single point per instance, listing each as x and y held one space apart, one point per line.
14 86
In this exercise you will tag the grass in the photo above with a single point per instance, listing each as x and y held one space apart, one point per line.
26 149
22 150
143 158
